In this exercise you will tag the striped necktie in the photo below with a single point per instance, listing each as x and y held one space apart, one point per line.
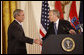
55 28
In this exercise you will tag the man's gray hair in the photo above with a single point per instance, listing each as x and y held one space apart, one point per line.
16 12
56 12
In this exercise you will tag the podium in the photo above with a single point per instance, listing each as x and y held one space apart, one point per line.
63 44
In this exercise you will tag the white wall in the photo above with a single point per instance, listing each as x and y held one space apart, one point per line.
31 24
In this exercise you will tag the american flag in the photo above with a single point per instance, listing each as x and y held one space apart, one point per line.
44 18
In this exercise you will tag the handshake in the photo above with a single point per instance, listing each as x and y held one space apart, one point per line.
38 41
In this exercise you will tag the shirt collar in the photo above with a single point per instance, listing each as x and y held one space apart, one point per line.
18 22
57 21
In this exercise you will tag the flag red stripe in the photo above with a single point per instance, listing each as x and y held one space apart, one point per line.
73 12
72 25
59 8
42 33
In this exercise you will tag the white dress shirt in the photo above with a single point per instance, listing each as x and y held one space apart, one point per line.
18 22
57 22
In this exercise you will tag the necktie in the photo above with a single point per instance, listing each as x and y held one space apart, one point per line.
55 28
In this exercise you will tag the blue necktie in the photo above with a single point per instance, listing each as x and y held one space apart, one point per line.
55 28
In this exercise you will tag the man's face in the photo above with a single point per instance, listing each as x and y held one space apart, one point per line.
20 17
52 17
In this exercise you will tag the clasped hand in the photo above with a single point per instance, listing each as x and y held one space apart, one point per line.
38 41
72 31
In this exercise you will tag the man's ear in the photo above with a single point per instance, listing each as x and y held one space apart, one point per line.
16 15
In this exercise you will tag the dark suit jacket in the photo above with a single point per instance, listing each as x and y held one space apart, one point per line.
16 39
63 28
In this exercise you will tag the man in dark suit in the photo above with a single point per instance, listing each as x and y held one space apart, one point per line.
58 26
16 37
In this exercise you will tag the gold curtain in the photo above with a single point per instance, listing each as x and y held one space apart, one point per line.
7 17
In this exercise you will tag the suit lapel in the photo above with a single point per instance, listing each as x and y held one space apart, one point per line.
59 27
52 28
19 26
